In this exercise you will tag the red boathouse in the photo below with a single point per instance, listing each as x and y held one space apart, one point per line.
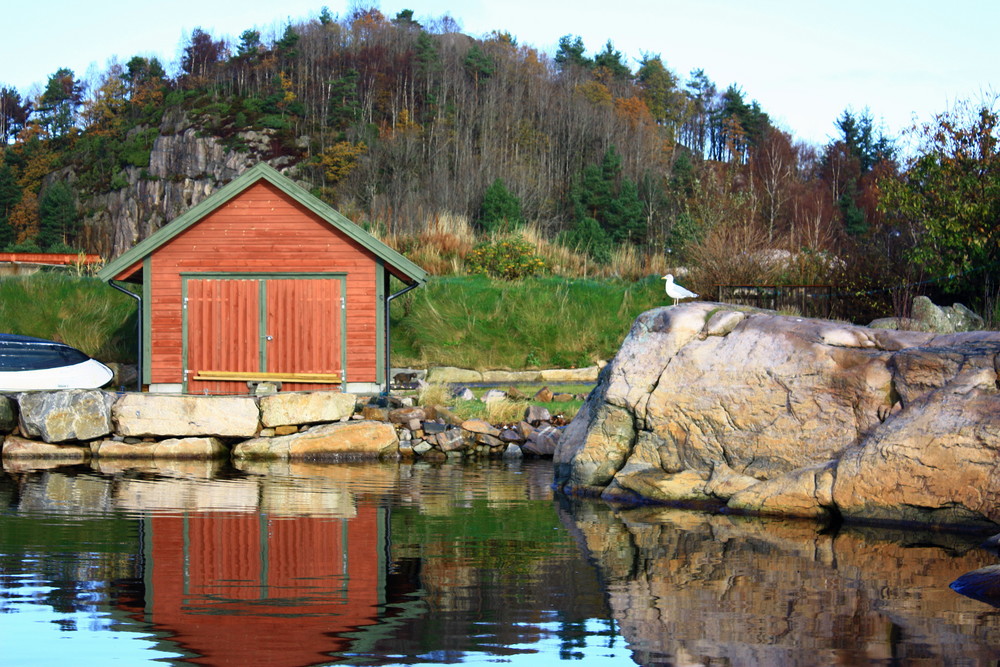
262 281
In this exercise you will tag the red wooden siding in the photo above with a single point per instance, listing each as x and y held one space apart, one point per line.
262 230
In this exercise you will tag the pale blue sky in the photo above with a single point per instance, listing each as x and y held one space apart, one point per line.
804 61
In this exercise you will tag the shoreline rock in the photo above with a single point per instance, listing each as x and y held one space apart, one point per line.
793 416
77 427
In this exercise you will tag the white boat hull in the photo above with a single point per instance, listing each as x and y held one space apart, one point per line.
89 374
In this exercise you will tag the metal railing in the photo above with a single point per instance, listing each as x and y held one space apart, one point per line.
806 300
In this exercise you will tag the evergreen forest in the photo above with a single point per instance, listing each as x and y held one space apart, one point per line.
486 155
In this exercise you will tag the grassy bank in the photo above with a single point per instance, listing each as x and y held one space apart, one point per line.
549 322
80 311
468 321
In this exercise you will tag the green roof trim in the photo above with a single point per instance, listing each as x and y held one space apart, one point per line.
258 172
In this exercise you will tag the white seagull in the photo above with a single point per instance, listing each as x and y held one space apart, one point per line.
675 291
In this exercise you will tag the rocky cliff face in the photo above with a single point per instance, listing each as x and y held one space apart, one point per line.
185 167
794 416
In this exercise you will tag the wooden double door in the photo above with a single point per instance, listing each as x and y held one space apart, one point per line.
284 324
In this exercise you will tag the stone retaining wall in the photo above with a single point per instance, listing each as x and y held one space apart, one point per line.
75 426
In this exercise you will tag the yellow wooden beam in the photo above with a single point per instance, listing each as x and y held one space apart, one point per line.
239 376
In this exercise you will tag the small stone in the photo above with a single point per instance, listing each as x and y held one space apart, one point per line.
562 398
543 395
464 394
489 440
422 448
287 429
433 428
512 452
494 395
543 441
375 413
404 415
451 440
266 388
536 414
8 415
510 435
515 394
480 426
414 424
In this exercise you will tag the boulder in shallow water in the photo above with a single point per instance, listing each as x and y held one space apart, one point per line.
806 417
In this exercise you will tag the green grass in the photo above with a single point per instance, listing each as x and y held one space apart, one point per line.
471 322
77 310
480 323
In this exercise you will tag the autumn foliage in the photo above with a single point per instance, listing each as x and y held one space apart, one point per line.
402 123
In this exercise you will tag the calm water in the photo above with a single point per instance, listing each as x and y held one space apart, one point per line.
383 564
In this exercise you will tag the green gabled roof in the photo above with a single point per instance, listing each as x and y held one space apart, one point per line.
262 171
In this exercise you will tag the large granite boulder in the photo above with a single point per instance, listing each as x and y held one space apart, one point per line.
163 416
172 448
928 316
64 416
16 448
350 440
805 417
305 408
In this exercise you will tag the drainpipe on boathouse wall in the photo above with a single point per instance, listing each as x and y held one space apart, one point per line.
388 344
138 332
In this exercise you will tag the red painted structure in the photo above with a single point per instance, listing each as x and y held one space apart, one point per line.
262 277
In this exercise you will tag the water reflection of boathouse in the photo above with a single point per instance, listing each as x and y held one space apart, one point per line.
225 586
313 564
241 581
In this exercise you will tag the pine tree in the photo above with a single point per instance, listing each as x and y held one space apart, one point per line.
10 195
58 216
501 209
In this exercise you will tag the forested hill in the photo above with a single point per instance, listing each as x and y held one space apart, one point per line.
399 124
388 119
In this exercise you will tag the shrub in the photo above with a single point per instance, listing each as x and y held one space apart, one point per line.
509 258
500 210
588 236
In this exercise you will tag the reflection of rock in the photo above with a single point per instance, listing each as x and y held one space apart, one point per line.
164 492
694 588
793 416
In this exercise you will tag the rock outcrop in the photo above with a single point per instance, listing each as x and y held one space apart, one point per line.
794 416
927 316
185 167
